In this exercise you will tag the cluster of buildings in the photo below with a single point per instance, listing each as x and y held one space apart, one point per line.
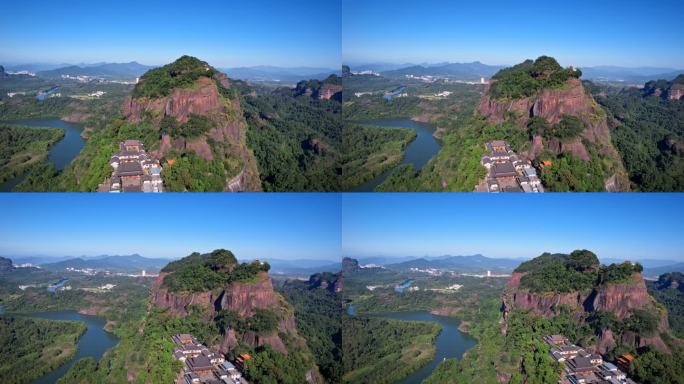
134 170
202 366
583 367
98 79
506 172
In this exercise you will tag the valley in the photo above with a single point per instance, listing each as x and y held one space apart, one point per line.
573 133
209 133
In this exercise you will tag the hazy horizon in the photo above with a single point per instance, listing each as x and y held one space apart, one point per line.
171 225
582 33
227 34
622 226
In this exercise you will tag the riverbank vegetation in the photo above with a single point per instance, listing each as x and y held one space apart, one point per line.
30 348
24 147
377 350
370 151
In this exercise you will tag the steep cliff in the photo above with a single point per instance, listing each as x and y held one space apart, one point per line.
671 90
616 290
5 265
168 98
238 299
543 90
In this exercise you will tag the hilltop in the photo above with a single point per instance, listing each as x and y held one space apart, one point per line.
208 132
562 128
236 310
612 299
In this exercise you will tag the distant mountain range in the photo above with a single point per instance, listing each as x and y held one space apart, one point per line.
474 263
461 71
629 75
270 73
479 263
130 263
476 69
124 71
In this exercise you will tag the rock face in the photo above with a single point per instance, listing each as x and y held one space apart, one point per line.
349 265
327 281
5 265
552 104
228 125
243 298
619 299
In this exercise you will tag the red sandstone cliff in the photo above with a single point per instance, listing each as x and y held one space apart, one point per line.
620 299
242 298
228 131
552 104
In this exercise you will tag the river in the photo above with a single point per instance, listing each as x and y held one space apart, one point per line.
61 153
93 343
418 152
450 343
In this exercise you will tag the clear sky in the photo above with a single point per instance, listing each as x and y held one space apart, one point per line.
629 226
627 33
252 225
154 32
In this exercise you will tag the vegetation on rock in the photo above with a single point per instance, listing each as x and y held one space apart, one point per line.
529 77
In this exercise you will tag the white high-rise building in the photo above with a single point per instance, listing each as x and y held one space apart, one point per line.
481 80
143 273
489 273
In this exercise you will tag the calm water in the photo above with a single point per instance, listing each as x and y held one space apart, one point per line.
450 343
61 153
418 152
94 342
401 287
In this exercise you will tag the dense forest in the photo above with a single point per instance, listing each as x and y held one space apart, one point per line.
296 140
30 348
318 314
24 147
648 132
669 291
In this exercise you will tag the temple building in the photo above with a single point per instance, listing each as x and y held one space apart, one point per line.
134 170
506 171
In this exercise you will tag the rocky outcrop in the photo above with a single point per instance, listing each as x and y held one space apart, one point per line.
349 265
202 99
227 134
619 299
5 265
552 104
243 298
325 280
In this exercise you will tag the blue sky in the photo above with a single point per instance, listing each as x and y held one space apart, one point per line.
632 225
626 33
282 225
224 33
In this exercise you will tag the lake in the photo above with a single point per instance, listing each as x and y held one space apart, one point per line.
61 153
450 343
94 342
418 152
